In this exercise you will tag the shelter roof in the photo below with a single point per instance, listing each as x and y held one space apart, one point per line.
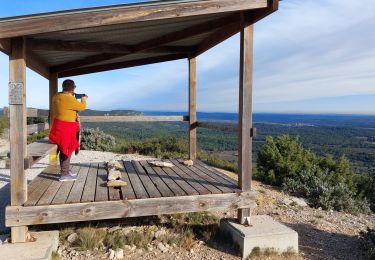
81 41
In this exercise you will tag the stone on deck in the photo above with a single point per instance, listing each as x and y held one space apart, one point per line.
264 232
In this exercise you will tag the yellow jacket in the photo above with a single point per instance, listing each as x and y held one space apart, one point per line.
65 107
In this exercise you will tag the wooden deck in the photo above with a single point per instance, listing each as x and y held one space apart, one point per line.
150 191
144 181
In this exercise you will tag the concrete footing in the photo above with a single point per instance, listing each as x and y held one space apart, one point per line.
264 233
42 249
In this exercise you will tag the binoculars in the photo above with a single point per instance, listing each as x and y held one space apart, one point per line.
79 96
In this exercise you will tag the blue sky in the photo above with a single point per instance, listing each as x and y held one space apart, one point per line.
312 56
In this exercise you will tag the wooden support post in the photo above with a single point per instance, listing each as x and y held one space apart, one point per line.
192 108
53 89
18 134
245 114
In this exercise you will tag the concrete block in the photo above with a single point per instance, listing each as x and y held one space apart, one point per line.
47 242
264 232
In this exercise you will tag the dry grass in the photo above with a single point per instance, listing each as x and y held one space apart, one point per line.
89 238
271 253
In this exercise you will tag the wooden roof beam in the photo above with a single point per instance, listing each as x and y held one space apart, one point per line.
5 46
121 65
78 46
93 17
153 43
36 64
229 30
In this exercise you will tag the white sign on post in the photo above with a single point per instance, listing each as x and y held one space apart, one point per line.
15 93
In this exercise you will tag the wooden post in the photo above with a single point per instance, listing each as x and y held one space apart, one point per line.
53 89
245 114
192 108
18 133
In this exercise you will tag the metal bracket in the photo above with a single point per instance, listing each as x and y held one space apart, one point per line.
253 132
16 91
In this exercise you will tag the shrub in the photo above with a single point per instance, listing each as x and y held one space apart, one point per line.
368 243
322 191
97 140
4 123
325 182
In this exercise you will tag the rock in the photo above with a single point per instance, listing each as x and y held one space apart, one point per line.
299 201
133 248
160 233
116 183
161 164
139 251
286 201
162 248
188 163
128 248
113 229
72 238
111 254
114 165
114 175
119 254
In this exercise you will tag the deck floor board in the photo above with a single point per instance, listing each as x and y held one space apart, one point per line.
144 181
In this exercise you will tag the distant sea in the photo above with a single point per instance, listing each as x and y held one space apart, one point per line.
303 119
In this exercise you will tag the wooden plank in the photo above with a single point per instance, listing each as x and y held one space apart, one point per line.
197 175
120 65
139 189
101 193
31 129
187 182
127 191
112 119
38 192
245 114
156 180
16 216
114 193
192 108
88 194
43 188
31 112
219 182
152 191
228 179
172 180
63 193
103 16
18 135
76 192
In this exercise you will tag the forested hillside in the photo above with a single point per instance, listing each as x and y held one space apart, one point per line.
357 144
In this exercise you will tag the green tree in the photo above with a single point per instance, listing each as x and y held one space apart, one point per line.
282 157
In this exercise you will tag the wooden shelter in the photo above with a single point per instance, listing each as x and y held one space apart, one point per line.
76 42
